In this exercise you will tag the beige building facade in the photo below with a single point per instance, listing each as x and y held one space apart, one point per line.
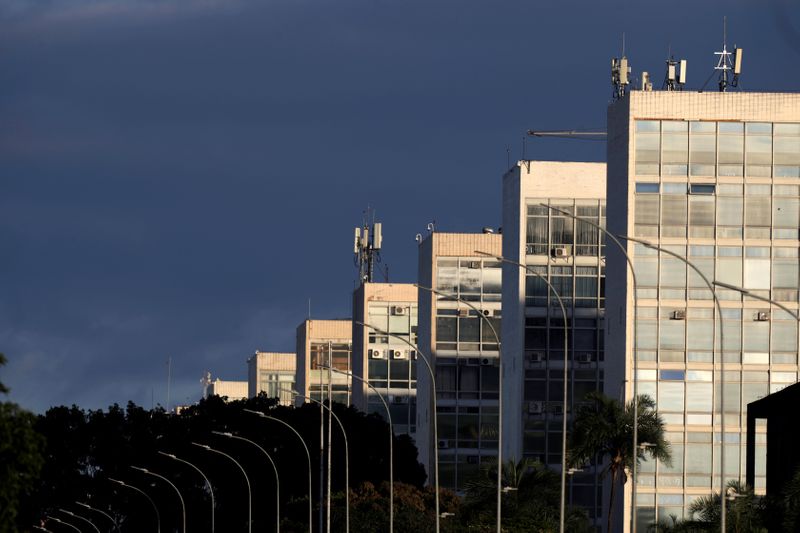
272 373
324 343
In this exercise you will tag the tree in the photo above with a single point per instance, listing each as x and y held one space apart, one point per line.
20 458
603 431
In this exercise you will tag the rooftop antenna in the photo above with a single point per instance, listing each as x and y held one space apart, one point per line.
726 63
676 74
620 73
367 246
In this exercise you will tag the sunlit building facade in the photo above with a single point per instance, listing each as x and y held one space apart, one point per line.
324 343
463 352
272 373
713 177
386 361
570 255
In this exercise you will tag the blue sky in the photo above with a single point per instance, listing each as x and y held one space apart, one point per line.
180 177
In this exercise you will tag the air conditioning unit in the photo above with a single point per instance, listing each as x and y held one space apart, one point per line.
398 310
487 312
474 264
678 314
562 251
584 358
761 316
463 313
535 408
472 361
496 313
412 355
443 444
487 361
536 357
397 354
375 354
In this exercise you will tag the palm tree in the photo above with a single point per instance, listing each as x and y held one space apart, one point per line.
603 432
744 511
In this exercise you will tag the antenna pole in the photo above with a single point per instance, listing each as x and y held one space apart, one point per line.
169 378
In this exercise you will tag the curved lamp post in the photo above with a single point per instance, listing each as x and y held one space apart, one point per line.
89 507
143 493
749 294
721 363
246 480
79 517
159 476
308 455
427 362
40 528
346 455
62 522
391 438
275 468
210 488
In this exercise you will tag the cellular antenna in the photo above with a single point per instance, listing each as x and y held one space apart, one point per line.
726 63
620 76
675 78
367 247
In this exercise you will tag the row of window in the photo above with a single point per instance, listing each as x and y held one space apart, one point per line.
552 233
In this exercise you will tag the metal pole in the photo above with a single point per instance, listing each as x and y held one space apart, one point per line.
330 432
183 505
74 515
391 438
721 366
143 493
427 362
210 488
308 454
634 356
246 480
87 506
561 521
274 467
346 456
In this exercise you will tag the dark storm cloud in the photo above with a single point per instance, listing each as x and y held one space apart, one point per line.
180 177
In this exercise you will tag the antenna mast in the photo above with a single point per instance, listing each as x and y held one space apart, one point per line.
367 247
725 62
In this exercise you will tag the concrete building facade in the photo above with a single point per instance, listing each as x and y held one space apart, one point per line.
327 343
570 255
272 373
714 177
463 352
385 361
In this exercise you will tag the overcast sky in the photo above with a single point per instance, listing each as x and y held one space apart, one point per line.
180 177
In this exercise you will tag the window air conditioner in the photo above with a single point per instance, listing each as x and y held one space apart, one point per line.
761 316
375 354
474 264
678 314
463 313
584 358
397 354
398 310
443 444
562 251
536 357
535 408
487 312
486 361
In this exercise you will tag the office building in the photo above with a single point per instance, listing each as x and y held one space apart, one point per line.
386 361
570 255
324 343
463 351
272 373
228 390
713 177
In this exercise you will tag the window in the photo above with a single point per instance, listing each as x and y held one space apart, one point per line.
702 148
647 140
758 149
647 188
675 148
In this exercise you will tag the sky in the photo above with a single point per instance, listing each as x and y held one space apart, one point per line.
180 178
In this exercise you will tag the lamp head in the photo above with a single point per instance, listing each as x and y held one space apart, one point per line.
140 469
204 446
223 433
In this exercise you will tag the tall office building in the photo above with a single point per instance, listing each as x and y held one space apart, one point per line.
714 177
385 361
463 352
324 343
272 373
570 255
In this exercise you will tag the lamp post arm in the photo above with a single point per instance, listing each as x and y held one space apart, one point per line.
171 484
391 439
75 515
87 506
63 522
749 294
210 488
246 480
308 455
143 493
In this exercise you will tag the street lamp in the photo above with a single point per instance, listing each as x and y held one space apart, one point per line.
635 357
749 294
143 493
73 515
346 458
246 480
62 522
499 397
561 520
89 507
183 505
308 455
275 468
391 438
721 363
427 362
40 528
210 488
